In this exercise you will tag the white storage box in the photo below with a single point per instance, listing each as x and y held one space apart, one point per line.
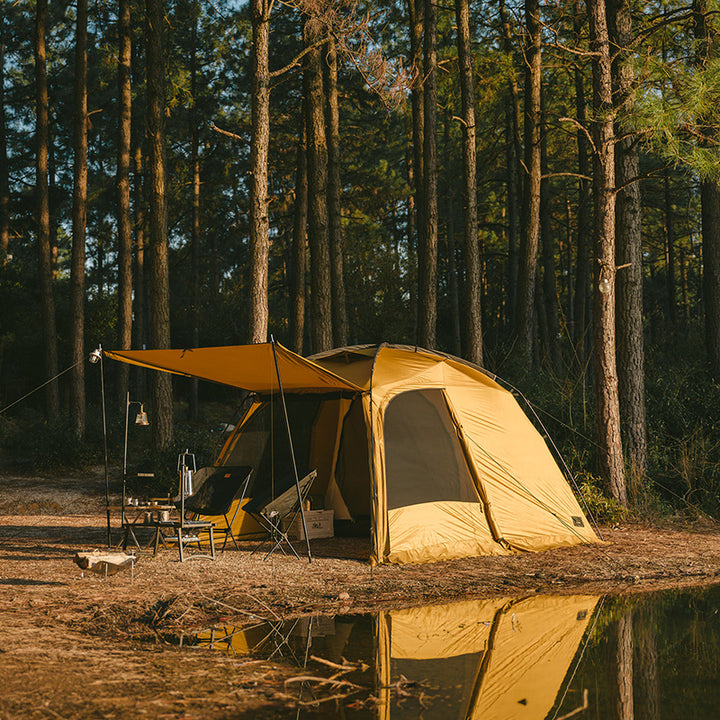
319 524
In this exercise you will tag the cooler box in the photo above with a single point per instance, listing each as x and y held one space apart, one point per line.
319 525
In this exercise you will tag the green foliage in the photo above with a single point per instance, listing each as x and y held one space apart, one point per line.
603 508
48 446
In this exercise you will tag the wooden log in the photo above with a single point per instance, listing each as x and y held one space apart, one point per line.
104 563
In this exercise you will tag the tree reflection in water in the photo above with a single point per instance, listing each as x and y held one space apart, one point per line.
538 658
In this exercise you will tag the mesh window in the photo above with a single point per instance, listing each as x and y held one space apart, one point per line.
352 470
263 442
424 461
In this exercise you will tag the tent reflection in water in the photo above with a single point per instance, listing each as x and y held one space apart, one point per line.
492 659
503 659
427 454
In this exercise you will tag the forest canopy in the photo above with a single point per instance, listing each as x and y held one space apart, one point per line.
533 186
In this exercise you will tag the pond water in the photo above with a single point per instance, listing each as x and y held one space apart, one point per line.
649 657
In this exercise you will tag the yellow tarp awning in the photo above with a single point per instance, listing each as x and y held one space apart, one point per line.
249 367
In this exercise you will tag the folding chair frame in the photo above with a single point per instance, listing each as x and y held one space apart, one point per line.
272 522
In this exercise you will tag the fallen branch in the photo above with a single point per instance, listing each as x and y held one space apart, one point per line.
320 681
345 667
312 703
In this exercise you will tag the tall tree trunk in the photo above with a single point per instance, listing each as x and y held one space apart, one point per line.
340 329
260 143
550 291
320 294
4 171
628 223
607 402
710 198
194 403
671 272
583 288
473 311
415 21
159 281
124 218
428 243
4 182
299 252
42 199
139 341
453 289
514 183
79 224
530 235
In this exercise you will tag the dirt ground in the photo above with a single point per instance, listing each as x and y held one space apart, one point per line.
81 645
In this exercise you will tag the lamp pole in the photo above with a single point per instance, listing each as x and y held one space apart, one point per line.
141 420
95 357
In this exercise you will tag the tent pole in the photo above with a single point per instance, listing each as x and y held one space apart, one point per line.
292 451
105 448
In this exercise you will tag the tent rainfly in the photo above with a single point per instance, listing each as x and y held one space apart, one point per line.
425 449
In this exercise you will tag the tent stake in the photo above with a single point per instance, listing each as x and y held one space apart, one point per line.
292 451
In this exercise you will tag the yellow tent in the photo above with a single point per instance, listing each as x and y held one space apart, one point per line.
427 450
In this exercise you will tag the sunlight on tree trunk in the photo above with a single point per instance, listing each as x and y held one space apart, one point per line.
79 224
158 285
259 145
124 218
607 403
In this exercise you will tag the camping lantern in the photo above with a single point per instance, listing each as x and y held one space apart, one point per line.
141 418
186 467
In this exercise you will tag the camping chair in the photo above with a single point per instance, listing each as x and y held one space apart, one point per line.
271 513
216 495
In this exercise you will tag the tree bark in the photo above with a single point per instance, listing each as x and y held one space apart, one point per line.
42 199
139 340
318 233
550 291
259 146
124 218
453 285
416 177
158 285
514 184
583 285
428 242
337 273
299 251
194 401
4 171
607 404
79 224
473 310
670 263
530 234
628 223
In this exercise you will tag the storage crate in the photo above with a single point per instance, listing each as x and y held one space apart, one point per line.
319 524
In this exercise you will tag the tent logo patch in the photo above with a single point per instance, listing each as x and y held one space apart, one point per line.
577 521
